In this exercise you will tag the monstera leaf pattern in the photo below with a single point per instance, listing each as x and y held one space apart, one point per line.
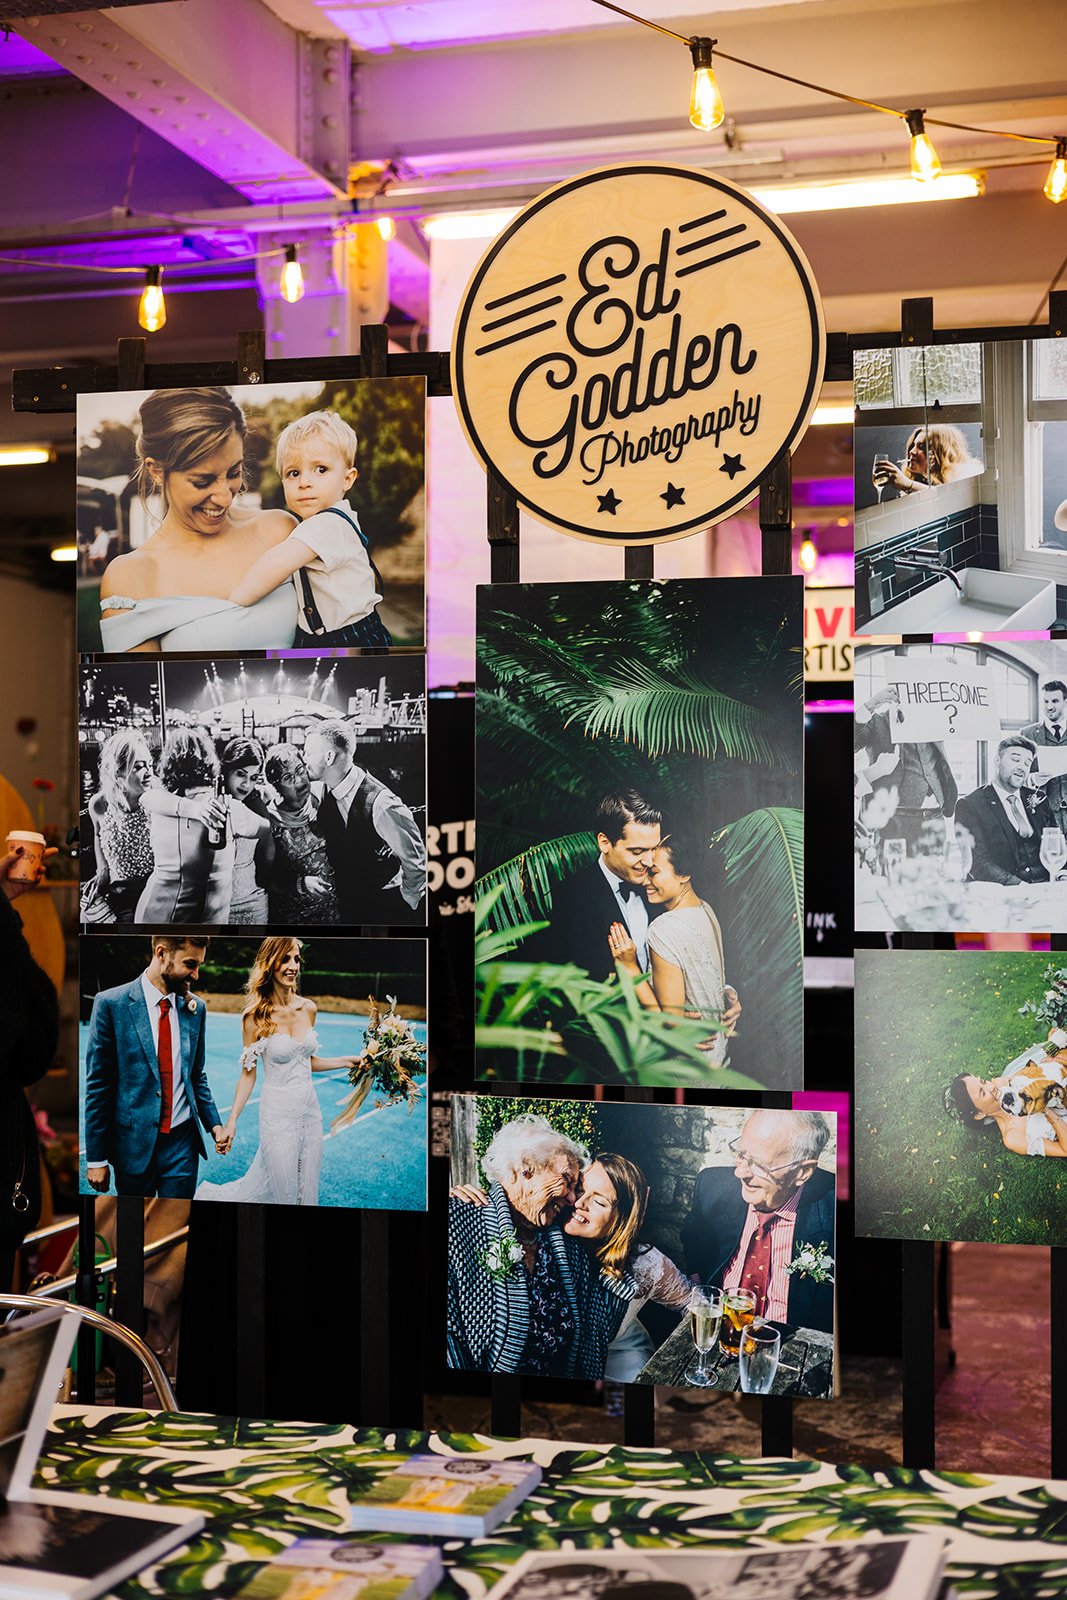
262 1484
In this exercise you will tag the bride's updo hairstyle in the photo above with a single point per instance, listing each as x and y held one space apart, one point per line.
260 985
179 427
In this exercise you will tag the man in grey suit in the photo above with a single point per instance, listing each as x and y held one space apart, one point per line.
146 1094
1051 732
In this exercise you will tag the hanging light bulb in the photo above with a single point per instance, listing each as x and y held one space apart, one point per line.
1056 182
924 160
152 311
387 228
807 556
292 277
706 110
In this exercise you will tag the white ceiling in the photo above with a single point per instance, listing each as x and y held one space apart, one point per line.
431 24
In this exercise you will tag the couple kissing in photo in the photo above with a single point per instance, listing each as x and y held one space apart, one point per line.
639 908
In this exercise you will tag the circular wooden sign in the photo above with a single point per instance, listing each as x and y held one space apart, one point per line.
634 351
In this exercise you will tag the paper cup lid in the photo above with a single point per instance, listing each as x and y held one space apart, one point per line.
20 837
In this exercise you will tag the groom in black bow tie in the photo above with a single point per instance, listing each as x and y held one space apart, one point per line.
584 906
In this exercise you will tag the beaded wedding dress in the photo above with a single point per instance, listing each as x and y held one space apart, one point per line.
285 1169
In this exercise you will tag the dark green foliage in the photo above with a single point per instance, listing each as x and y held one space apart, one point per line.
587 689
575 1118
389 418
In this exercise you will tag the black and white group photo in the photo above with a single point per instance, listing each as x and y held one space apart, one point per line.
223 793
961 787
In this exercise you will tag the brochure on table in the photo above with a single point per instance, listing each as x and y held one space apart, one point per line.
63 1546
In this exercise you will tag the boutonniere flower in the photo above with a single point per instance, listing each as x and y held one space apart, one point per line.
501 1258
813 1261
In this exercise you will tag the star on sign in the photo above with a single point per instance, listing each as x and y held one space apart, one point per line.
733 465
673 496
608 502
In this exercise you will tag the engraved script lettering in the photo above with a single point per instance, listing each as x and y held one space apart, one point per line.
654 370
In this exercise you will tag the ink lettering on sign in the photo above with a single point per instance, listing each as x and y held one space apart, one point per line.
937 698
634 351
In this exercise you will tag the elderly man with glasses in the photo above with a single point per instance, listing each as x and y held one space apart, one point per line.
748 1224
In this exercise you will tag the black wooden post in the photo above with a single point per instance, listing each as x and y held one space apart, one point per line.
502 522
129 1221
776 541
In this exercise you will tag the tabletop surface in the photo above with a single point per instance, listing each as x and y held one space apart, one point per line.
805 1365
931 906
262 1484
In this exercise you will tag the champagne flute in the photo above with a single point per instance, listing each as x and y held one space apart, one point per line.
705 1315
1053 851
880 473
894 851
757 1361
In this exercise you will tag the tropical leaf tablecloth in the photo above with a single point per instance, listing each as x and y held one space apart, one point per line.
262 1484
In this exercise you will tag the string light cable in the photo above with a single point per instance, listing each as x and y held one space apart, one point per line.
151 313
924 161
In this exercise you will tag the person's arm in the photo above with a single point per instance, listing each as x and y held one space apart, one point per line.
328 1063
206 1109
984 869
895 477
270 570
666 1285
265 853
1013 1134
624 953
210 809
245 1084
98 1096
399 830
129 578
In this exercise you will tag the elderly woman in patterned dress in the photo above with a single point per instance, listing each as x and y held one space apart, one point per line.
522 1295
120 824
303 889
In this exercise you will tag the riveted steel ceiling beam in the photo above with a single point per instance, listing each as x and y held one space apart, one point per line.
230 85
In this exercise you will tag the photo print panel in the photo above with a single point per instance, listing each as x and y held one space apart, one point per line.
640 833
961 1062
691 1246
256 517
961 787
960 475
218 1099
227 793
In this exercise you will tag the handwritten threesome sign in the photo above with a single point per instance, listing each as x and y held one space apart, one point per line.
634 351
937 699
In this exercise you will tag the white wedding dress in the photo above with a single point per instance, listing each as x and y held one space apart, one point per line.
285 1169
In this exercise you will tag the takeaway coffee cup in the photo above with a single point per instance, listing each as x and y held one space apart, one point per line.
25 869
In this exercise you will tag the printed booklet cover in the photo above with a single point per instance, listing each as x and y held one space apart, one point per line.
886 1569
457 1495
340 1569
57 1546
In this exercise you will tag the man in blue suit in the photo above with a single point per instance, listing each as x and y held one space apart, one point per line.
146 1093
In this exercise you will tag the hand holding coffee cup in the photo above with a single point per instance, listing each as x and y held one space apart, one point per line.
23 865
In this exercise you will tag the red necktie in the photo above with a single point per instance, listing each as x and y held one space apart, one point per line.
166 1068
756 1270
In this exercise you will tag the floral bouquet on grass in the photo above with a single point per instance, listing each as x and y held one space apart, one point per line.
390 1061
1051 1010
